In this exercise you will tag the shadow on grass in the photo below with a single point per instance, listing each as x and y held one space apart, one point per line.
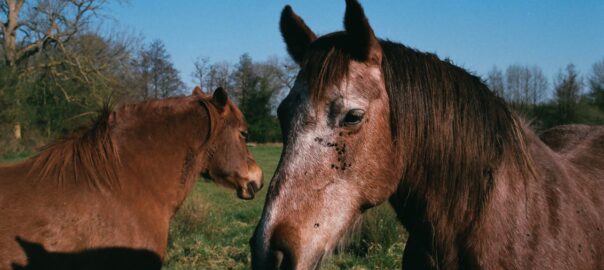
117 258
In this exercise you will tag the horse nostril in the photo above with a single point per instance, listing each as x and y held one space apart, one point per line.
246 192
251 187
280 259
276 259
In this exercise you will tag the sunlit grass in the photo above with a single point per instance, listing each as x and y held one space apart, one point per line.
213 227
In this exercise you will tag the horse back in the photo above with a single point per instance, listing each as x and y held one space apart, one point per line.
568 139
582 146
578 151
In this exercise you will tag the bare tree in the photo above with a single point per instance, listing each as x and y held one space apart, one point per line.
524 85
513 75
537 86
283 73
289 71
28 28
495 82
202 67
517 82
218 75
271 70
142 69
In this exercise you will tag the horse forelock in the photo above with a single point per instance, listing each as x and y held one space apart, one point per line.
326 64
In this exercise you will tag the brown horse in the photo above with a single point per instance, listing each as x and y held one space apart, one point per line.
114 188
370 120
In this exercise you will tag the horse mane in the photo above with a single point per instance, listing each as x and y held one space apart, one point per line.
90 154
452 132
457 135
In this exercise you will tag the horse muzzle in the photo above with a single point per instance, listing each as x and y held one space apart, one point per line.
254 181
249 191
282 249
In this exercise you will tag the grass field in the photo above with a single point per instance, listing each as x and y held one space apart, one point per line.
211 230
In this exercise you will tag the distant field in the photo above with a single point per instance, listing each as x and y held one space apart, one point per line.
13 157
212 229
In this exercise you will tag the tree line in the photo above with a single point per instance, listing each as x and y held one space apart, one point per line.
575 99
256 87
57 69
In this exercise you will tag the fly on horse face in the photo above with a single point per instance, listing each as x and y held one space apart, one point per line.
370 120
109 193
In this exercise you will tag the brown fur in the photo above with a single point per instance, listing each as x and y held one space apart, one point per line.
114 188
473 185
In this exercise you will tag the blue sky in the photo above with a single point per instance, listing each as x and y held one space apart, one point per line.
474 34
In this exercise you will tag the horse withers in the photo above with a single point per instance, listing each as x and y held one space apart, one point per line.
100 199
370 120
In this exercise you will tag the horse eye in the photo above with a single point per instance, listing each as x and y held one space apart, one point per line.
243 134
353 117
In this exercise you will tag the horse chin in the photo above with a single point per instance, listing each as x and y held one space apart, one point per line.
206 174
244 193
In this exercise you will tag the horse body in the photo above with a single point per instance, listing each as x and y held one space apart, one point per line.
370 120
115 188
563 212
545 222
74 216
83 220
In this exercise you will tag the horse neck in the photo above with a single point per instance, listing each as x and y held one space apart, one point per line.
162 158
446 222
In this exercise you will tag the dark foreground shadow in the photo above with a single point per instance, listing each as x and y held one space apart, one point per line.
95 259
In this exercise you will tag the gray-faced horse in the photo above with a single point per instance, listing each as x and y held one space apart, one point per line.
370 120
104 199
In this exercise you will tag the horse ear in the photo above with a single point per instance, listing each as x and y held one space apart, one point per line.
198 92
296 34
220 97
357 26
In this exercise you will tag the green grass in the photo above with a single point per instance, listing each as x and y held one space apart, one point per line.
212 229
14 157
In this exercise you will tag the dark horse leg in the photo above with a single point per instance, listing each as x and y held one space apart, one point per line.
417 252
416 255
